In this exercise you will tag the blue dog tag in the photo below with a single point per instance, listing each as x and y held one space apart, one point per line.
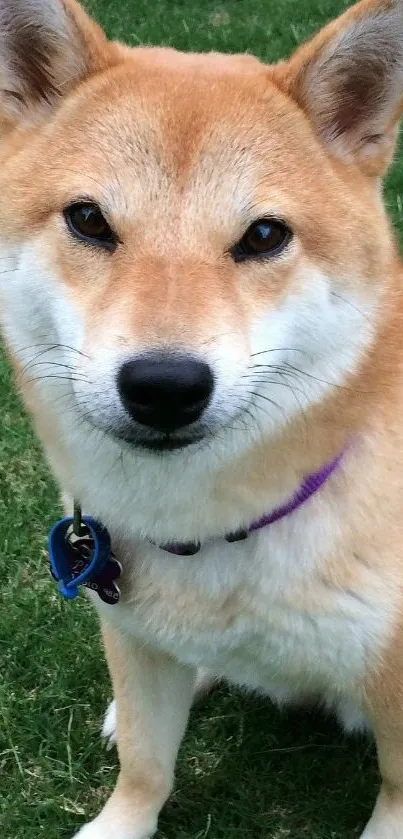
86 559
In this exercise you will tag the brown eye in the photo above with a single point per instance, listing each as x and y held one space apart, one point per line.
86 222
266 237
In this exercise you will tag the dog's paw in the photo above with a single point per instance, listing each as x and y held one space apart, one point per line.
386 821
108 732
101 828
126 815
92 831
388 832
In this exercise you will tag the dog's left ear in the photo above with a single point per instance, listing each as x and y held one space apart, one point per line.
349 82
47 47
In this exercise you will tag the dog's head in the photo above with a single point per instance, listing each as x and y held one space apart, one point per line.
193 246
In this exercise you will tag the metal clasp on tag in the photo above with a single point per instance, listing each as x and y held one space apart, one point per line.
80 553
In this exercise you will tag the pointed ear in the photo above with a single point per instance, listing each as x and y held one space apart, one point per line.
46 48
349 82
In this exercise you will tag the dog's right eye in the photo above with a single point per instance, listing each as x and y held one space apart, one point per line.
86 222
264 239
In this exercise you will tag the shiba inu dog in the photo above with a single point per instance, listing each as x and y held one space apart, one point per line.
202 298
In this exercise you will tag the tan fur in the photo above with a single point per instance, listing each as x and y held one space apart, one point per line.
152 123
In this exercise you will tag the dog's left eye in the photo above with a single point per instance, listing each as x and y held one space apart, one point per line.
266 237
86 222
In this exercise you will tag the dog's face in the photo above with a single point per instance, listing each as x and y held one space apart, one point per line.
194 246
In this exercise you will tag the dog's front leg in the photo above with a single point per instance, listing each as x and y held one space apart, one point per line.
387 818
384 710
153 694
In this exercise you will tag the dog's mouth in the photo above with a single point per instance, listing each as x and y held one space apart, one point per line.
157 443
163 444
148 440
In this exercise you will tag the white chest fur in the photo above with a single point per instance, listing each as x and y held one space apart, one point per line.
257 612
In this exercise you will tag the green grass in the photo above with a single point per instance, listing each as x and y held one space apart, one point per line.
245 770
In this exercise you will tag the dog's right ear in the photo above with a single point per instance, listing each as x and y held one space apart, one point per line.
349 81
46 48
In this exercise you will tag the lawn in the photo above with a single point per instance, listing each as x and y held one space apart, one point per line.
245 770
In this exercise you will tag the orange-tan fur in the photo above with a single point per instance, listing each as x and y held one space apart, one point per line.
184 152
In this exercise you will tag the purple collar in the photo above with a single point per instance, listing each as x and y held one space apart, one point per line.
309 486
80 547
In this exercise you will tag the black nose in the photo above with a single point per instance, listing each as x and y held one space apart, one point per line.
165 392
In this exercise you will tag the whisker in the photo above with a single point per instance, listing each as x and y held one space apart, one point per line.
278 349
351 305
52 346
316 378
266 399
55 376
276 383
34 363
